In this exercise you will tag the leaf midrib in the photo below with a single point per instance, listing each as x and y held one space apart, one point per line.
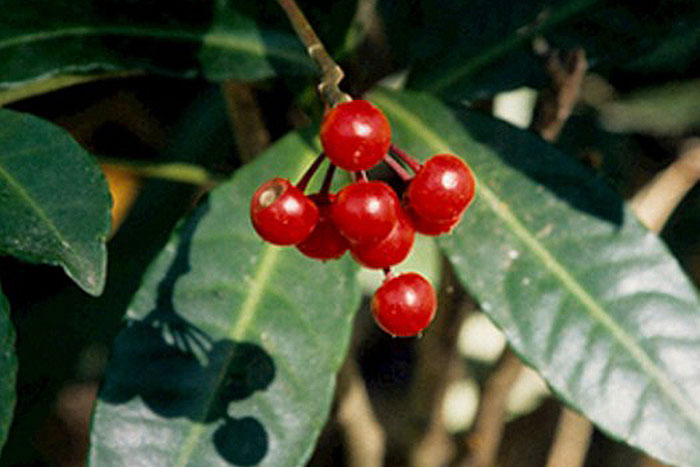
213 38
17 187
595 310
260 280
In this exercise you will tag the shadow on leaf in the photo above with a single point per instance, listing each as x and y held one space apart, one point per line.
565 177
178 370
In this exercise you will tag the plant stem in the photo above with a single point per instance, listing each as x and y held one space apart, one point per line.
306 178
555 103
331 73
410 161
657 200
364 435
247 122
328 179
397 168
485 438
360 176
174 171
571 440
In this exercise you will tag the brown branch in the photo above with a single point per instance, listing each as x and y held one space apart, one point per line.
485 438
571 440
655 202
247 120
555 103
646 461
331 73
364 439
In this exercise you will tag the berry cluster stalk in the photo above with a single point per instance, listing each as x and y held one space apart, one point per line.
306 178
410 161
331 73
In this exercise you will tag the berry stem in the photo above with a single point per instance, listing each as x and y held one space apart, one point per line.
328 179
410 161
388 274
301 184
331 73
397 168
360 176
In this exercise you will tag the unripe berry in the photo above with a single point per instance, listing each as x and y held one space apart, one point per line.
404 305
281 213
389 251
325 241
355 135
442 189
365 212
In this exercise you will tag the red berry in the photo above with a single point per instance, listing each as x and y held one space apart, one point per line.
429 227
389 251
442 189
355 135
281 213
365 212
404 305
325 241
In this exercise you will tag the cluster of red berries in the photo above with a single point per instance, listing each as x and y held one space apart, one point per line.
366 217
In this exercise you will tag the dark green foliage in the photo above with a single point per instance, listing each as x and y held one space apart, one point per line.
8 369
54 202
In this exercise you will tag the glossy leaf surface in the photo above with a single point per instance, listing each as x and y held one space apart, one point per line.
231 345
54 201
8 369
584 293
183 38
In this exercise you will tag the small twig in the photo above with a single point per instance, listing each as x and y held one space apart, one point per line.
554 104
485 438
397 168
363 435
331 73
646 461
247 121
655 203
571 440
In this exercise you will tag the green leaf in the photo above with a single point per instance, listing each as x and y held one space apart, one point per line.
43 86
8 369
231 345
467 50
584 293
475 49
660 39
41 38
54 200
